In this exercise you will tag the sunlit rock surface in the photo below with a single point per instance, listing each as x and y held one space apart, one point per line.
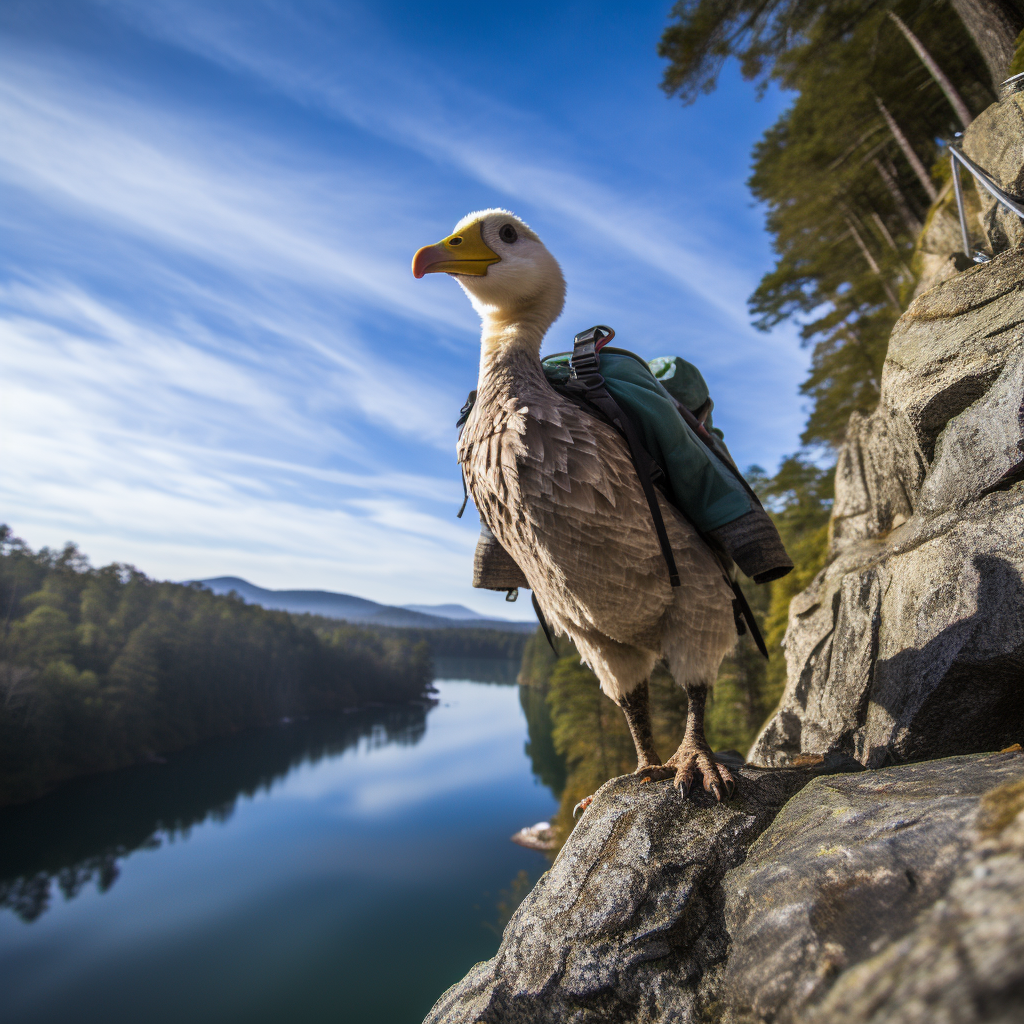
910 643
628 924
993 141
662 910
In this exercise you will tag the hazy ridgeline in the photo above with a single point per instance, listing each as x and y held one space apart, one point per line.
101 668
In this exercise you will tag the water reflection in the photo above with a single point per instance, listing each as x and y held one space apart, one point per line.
547 763
480 670
334 870
81 833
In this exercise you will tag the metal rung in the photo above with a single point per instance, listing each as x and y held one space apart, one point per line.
1013 203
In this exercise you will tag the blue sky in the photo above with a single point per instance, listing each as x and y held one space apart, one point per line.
215 359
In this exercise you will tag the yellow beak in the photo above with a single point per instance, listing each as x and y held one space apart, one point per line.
464 253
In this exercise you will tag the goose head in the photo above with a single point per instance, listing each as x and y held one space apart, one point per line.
510 277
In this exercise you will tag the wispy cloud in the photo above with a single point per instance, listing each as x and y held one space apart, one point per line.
100 156
133 436
416 104
212 353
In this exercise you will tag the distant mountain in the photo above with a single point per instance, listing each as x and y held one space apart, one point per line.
359 609
448 611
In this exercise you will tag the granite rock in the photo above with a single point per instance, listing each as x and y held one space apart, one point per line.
660 909
909 644
628 924
993 141
848 868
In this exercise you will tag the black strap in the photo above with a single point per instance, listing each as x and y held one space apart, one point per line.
586 381
740 603
543 621
460 423
588 386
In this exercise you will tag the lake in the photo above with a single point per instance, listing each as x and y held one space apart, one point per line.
343 869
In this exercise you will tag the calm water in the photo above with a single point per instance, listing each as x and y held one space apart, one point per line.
343 870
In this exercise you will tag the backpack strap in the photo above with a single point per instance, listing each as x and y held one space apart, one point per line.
461 422
587 386
585 381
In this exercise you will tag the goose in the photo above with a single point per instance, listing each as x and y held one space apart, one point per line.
557 488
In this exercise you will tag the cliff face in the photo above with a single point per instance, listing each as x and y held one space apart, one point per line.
833 904
910 643
843 884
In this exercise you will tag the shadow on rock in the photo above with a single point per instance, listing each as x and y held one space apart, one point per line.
961 692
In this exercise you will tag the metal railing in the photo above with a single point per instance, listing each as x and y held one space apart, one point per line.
1015 204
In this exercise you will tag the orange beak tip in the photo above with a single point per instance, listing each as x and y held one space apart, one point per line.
425 258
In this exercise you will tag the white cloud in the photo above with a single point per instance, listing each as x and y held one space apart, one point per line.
111 432
203 192
213 357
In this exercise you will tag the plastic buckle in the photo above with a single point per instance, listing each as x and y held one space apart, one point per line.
586 347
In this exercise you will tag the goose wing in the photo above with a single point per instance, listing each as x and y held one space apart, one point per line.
559 490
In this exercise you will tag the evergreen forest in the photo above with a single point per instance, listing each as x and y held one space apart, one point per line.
101 668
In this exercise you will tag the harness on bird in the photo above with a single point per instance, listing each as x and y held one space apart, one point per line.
695 472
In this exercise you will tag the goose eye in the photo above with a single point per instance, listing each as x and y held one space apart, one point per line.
507 233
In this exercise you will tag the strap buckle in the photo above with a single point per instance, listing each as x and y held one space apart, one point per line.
586 348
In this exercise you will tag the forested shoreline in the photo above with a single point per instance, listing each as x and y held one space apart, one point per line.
103 667
450 642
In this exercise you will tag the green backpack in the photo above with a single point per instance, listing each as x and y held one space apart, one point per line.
663 410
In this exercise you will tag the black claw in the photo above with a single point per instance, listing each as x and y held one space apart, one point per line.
716 791
683 788
730 787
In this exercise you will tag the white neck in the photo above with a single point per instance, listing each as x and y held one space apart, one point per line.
510 339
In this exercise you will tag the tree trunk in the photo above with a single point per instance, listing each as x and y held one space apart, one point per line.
914 225
858 343
854 339
994 26
955 99
908 151
880 224
873 264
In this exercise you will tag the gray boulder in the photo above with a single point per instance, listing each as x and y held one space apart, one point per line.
660 909
963 962
628 923
910 643
850 866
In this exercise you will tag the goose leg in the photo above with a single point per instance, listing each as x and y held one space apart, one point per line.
694 756
636 707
